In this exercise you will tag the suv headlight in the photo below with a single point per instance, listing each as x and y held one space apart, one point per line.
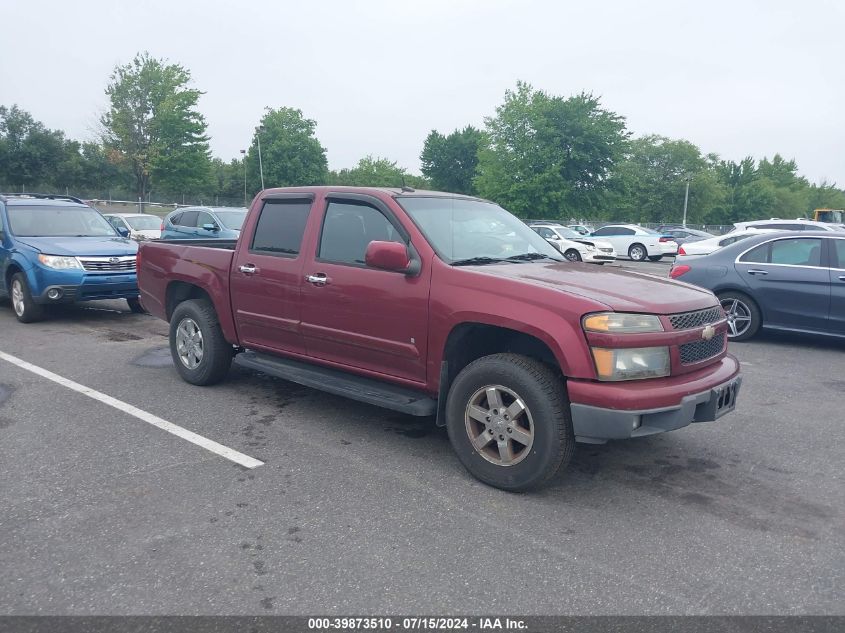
622 323
631 363
59 262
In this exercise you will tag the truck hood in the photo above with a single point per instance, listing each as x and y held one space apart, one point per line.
620 290
80 246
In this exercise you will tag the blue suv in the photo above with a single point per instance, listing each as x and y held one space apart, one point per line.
203 223
57 249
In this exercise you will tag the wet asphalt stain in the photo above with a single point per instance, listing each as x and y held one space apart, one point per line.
836 385
5 392
157 357
116 336
267 603
731 492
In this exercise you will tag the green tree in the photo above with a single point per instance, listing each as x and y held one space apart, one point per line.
29 152
451 162
376 172
548 156
155 128
229 180
651 182
290 152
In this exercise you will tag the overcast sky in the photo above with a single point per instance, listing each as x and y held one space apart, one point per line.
736 78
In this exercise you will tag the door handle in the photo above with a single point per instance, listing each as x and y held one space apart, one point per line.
318 279
248 269
841 277
757 271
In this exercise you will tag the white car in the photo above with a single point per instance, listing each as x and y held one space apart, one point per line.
705 247
787 225
141 226
637 242
574 246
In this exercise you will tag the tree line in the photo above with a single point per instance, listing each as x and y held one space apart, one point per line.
540 156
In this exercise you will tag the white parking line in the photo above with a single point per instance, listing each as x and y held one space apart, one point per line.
185 434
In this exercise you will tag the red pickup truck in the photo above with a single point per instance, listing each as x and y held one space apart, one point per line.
444 305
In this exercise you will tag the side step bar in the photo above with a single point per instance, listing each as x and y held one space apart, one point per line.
341 383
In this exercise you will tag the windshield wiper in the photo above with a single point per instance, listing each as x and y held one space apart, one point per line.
527 257
476 261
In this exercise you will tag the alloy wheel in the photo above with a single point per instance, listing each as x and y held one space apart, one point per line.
189 344
739 316
499 425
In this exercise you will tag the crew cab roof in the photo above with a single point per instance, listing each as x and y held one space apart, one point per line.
396 192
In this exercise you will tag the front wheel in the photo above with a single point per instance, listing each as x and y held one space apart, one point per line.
26 310
744 317
572 255
637 252
509 421
200 352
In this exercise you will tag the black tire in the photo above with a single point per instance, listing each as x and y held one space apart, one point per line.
655 258
745 307
215 354
637 252
543 393
573 255
25 309
135 306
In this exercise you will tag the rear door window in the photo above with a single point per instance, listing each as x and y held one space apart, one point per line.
280 227
790 252
188 218
839 250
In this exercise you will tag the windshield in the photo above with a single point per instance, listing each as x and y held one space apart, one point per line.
232 220
568 234
58 222
460 229
144 222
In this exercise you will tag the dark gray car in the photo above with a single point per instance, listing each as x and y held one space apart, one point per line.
685 235
781 280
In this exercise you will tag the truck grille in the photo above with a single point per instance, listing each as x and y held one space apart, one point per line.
124 264
701 350
689 320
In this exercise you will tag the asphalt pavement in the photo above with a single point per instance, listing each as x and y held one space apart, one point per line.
356 510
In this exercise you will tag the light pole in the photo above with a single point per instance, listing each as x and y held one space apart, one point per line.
686 198
260 164
243 152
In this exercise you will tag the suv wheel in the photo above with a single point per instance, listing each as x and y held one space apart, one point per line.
201 354
508 420
637 252
25 309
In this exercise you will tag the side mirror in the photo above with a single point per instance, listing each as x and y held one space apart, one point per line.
388 256
124 232
210 227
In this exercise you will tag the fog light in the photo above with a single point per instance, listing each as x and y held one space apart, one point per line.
54 293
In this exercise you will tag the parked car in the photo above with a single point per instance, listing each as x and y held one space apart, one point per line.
705 247
55 249
781 280
139 226
444 305
637 242
202 223
682 235
573 245
787 225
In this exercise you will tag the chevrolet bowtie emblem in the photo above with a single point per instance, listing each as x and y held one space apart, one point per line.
708 332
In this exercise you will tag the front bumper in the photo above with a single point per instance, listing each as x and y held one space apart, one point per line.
598 256
77 285
660 409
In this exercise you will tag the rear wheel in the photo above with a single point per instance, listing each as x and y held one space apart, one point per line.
744 317
201 354
25 309
509 422
637 252
572 255
135 306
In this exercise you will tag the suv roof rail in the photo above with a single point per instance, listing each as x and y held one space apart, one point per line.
42 196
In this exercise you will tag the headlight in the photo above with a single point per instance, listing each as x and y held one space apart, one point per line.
589 247
631 364
59 262
622 323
